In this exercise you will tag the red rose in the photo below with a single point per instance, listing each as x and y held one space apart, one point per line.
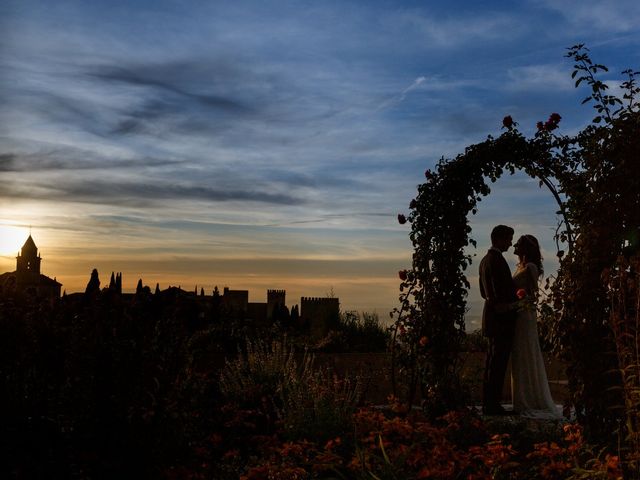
507 122
402 219
555 118
521 293
549 125
423 341
403 275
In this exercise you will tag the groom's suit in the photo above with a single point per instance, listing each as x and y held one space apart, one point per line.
498 323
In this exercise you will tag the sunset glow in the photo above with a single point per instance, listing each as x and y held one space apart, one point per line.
12 238
221 137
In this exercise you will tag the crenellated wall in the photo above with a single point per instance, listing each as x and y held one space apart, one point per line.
319 314
275 299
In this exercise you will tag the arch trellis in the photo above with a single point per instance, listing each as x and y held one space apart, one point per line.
592 320
429 324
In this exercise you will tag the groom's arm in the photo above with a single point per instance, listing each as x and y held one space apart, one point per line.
497 281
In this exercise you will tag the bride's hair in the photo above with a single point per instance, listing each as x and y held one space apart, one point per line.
530 249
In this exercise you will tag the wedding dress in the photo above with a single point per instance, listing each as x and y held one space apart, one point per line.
529 384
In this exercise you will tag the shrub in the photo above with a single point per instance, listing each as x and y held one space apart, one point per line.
307 403
263 370
321 408
355 332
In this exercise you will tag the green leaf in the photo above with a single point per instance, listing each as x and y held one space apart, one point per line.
597 119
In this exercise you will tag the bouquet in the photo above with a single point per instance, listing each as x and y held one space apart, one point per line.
524 301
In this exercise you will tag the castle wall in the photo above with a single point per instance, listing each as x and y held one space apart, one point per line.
319 314
237 301
275 298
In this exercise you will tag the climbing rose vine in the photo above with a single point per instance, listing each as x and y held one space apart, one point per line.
594 178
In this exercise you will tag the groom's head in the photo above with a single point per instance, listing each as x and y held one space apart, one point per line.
501 237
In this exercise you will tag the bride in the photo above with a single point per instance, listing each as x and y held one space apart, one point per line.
530 388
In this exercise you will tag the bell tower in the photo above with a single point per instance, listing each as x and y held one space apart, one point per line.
28 259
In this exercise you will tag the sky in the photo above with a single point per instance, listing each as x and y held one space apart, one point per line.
259 145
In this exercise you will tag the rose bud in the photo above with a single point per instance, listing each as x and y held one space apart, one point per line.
521 293
402 219
507 122
555 117
403 275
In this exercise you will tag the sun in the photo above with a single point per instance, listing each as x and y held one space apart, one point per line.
12 238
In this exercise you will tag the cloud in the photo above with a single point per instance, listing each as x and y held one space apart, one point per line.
138 193
151 76
416 83
615 16
69 158
545 77
400 98
324 218
457 30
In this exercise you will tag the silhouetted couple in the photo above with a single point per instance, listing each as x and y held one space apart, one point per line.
509 323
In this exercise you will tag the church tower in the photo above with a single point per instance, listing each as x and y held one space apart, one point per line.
27 278
28 260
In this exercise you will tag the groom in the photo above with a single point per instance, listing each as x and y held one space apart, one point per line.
498 319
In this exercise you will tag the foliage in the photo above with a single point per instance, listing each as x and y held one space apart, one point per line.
388 446
474 342
355 332
624 292
104 389
320 409
94 387
263 370
594 178
600 181
308 402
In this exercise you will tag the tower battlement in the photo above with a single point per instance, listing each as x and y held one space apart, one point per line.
321 314
320 300
275 301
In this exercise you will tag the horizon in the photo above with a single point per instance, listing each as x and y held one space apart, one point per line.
273 146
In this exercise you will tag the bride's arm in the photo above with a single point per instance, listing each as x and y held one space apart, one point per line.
532 280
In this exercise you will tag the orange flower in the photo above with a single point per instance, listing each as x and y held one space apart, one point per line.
231 453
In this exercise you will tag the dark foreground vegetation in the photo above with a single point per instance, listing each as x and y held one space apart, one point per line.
95 387
99 386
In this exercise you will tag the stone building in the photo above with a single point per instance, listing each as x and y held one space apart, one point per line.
27 278
319 315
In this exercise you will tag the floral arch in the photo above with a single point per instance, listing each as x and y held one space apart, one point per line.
594 177
430 321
